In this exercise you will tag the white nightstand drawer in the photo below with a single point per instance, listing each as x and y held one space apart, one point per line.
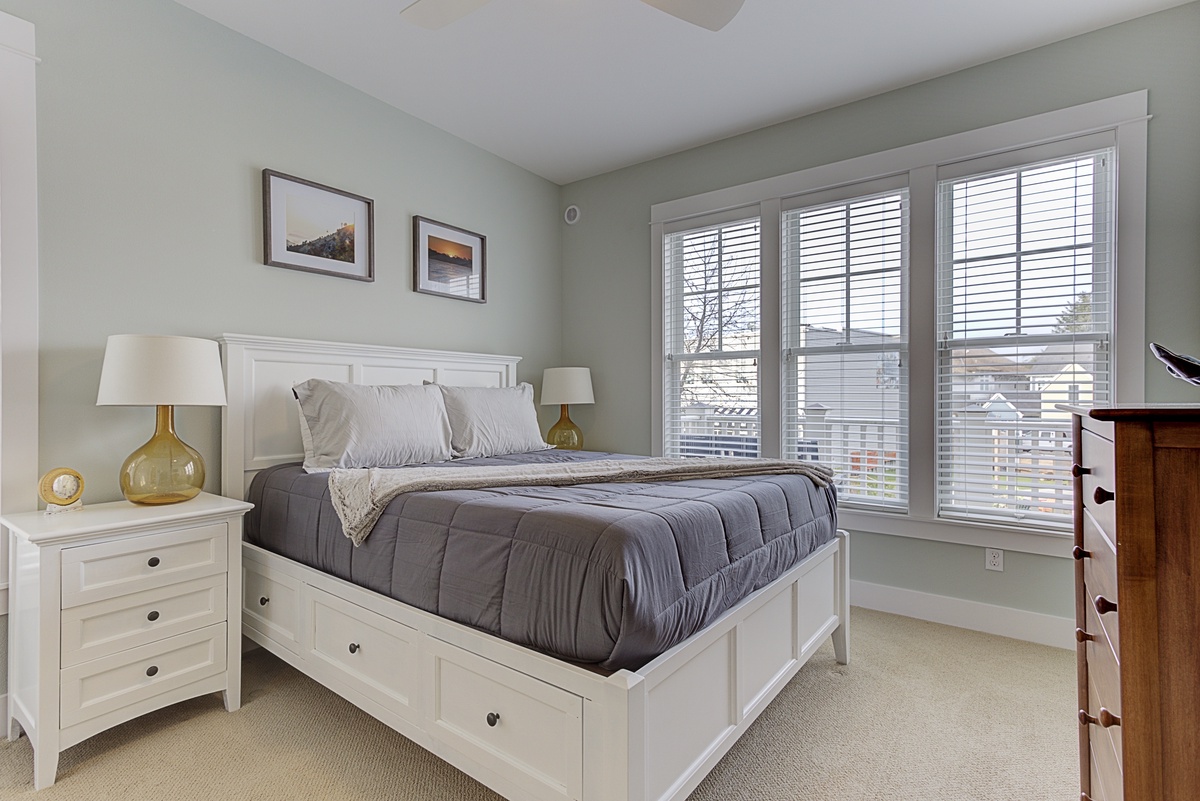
270 604
113 682
106 627
506 719
108 569
370 651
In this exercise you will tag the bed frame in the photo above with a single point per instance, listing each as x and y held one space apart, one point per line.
525 724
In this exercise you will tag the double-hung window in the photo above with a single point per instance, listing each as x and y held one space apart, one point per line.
1024 322
711 330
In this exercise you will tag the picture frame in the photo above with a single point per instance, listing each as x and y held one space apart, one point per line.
315 228
449 261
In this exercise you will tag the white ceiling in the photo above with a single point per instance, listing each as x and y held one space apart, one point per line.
573 88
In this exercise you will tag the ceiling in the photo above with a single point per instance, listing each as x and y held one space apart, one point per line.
569 89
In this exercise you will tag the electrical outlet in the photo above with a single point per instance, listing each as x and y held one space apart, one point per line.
993 559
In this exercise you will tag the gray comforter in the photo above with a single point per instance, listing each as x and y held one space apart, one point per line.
611 574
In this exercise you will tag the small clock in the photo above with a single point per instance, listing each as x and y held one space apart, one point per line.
61 486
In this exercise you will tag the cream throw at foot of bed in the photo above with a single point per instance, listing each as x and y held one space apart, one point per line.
360 495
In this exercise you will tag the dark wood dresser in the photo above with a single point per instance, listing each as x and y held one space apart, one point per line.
1137 601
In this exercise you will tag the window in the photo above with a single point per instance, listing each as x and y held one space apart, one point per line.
845 393
1024 323
913 317
712 340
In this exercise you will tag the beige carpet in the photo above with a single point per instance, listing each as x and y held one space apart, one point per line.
923 712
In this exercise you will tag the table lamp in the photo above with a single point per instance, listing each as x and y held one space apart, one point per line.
563 386
165 372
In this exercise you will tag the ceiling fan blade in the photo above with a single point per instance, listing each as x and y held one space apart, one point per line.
434 14
711 14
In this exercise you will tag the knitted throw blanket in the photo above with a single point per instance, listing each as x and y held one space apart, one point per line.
360 495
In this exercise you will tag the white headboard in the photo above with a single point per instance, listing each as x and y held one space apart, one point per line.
260 426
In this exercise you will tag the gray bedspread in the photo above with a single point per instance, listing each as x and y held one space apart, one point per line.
609 574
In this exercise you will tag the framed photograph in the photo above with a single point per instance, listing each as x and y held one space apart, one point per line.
449 261
316 228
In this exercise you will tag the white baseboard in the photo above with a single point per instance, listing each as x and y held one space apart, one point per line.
1002 620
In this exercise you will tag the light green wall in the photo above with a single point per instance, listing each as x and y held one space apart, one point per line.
154 124
607 278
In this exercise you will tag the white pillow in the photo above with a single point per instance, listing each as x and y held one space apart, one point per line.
357 425
492 421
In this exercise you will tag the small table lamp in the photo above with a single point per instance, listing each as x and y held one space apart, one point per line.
161 371
564 385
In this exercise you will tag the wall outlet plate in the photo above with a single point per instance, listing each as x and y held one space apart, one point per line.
993 559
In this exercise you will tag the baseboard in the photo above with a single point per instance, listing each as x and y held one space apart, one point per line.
1002 620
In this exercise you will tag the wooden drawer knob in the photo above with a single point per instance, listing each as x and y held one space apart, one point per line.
1078 470
1087 719
1078 553
1101 495
1104 606
1083 636
1108 719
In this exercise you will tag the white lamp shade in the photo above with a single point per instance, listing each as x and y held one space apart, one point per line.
566 385
148 370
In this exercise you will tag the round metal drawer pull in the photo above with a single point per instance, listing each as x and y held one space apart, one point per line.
354 647
493 719
1083 636
1101 495
1104 606
152 616
1108 719
154 561
152 670
1079 553
1086 719
1078 470
263 601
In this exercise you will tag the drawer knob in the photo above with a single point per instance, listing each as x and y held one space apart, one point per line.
354 647
493 719
152 670
1104 606
1086 719
1079 553
1108 719
1101 495
153 616
154 561
1083 636
1078 470
263 601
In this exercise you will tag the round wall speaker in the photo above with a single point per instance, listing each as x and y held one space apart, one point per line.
571 215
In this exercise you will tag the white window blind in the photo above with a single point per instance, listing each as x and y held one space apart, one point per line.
845 350
711 334
1024 322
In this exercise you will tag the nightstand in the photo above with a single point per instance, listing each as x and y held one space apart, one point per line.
116 610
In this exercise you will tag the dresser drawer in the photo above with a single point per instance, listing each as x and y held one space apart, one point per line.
271 604
1106 752
1107 779
507 720
1104 682
108 569
371 653
1098 458
110 683
106 627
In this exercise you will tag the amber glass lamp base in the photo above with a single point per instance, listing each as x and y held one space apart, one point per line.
565 434
165 469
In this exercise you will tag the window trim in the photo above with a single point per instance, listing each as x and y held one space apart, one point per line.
1125 115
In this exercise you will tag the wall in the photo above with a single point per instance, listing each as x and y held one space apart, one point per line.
607 278
154 125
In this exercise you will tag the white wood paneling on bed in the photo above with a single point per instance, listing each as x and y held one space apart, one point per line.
561 732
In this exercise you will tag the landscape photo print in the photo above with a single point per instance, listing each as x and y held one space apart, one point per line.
315 228
449 261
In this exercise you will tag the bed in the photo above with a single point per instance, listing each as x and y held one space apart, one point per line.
534 720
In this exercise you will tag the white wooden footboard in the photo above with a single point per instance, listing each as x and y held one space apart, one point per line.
530 726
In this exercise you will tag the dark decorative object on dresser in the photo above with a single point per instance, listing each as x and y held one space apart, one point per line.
1137 601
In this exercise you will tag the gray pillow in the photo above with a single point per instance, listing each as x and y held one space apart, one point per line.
492 421
358 425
